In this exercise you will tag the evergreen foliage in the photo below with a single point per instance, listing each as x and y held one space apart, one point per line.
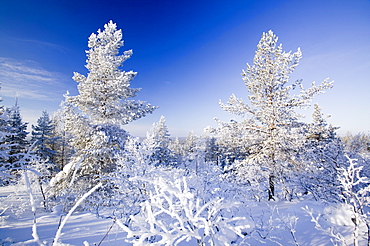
17 134
13 144
159 137
43 136
324 154
95 116
271 133
4 147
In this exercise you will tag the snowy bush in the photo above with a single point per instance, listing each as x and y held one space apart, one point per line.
356 195
173 214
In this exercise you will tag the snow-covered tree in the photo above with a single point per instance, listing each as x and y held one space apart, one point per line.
4 147
43 140
357 146
95 117
17 135
43 136
324 154
62 147
159 136
105 92
231 141
95 148
177 150
136 161
358 143
270 121
212 149
190 143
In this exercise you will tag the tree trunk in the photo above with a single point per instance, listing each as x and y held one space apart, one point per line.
271 190
43 194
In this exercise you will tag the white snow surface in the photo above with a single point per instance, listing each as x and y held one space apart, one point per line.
280 220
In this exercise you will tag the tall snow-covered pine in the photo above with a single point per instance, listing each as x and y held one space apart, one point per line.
95 117
272 131
105 93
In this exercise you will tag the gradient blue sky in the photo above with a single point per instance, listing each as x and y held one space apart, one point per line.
188 54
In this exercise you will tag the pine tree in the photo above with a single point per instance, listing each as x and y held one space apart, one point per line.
324 154
105 93
231 142
177 151
271 124
95 117
190 143
159 136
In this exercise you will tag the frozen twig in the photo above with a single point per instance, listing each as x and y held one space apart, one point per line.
58 234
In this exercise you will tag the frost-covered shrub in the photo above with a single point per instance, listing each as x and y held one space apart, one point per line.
173 213
358 147
251 179
356 194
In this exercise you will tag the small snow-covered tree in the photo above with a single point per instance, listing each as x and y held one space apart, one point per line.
95 117
357 144
324 154
158 135
189 146
4 147
62 144
136 161
270 120
43 136
43 140
194 151
16 138
231 141
212 149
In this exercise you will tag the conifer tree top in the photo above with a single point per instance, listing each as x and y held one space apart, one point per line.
105 91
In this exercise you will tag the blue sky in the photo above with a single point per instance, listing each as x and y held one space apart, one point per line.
188 54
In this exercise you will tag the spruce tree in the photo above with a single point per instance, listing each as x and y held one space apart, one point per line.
4 147
17 134
44 139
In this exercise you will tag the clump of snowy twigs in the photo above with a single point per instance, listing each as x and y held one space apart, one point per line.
355 195
173 214
336 236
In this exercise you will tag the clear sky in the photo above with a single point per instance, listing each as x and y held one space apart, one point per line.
188 54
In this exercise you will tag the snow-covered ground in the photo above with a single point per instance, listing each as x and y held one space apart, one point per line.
277 223
16 229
